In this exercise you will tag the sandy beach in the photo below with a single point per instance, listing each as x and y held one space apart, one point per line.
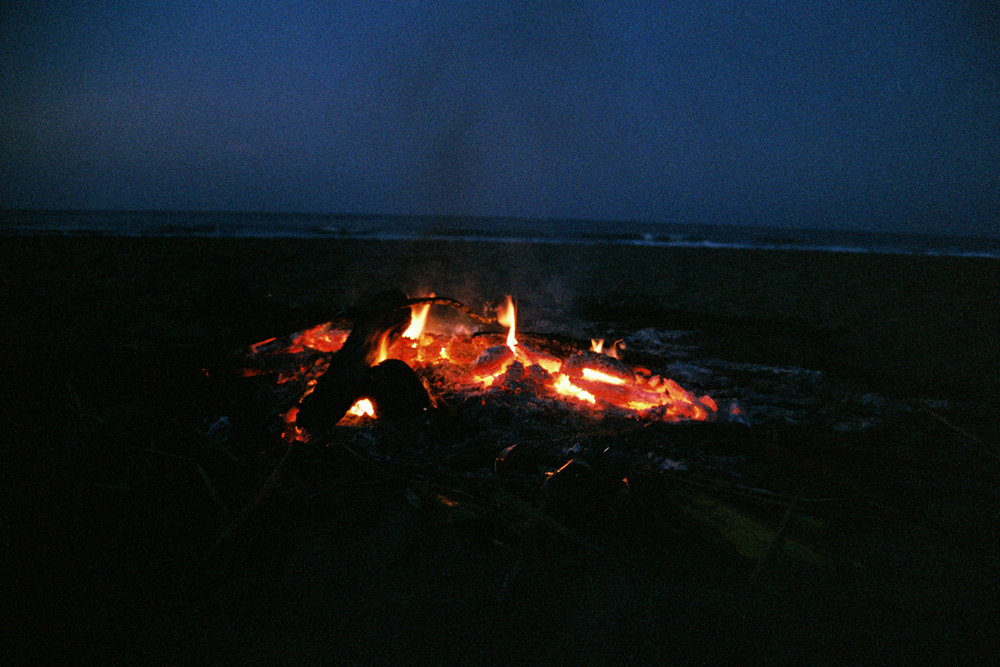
106 340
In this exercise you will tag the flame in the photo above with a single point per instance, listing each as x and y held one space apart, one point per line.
418 320
383 348
507 317
597 346
362 408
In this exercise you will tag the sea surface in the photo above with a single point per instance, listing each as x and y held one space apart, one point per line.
350 226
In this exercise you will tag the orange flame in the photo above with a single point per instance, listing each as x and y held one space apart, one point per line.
363 408
383 348
507 317
418 320
597 345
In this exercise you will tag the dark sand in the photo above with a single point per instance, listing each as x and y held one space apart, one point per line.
104 344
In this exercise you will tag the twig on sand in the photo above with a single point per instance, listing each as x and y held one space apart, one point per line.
265 492
201 471
779 534
76 405
528 510
947 422
504 499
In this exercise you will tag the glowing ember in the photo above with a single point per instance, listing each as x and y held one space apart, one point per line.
383 348
292 432
460 362
597 376
362 408
492 362
567 388
320 338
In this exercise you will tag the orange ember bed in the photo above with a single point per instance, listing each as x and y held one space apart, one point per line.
459 360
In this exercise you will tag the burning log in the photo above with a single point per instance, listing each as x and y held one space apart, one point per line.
360 369
598 367
349 376
493 361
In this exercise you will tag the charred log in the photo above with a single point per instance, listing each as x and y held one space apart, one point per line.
393 387
349 377
397 391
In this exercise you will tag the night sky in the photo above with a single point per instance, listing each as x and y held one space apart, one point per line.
851 114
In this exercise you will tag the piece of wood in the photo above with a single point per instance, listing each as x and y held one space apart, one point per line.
349 377
395 389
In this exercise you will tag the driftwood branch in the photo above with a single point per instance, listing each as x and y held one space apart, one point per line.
452 303
249 513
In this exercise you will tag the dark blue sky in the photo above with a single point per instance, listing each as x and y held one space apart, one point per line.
846 113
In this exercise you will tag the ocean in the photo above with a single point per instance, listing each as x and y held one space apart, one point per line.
386 227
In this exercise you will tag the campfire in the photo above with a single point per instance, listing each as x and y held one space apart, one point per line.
398 360
482 419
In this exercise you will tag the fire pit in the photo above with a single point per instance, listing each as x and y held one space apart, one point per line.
461 363
474 415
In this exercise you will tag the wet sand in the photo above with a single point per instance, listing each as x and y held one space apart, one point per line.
106 340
